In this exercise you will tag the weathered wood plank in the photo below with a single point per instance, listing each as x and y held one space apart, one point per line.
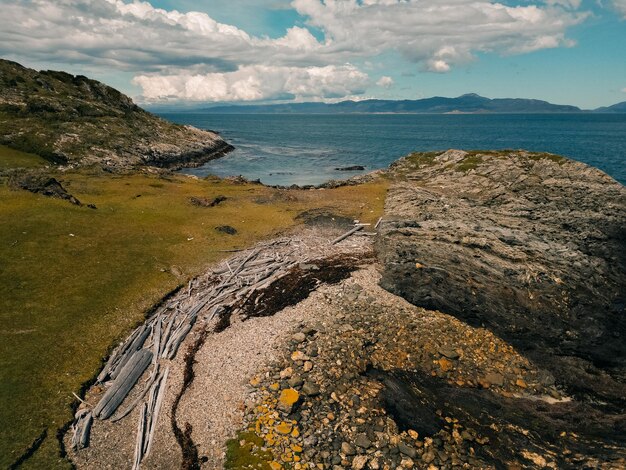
124 382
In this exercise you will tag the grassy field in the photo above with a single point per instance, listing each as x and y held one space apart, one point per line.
75 280
10 158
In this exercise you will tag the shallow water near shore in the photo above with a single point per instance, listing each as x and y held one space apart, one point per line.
307 149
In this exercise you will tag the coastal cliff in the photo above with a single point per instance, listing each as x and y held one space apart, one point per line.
74 120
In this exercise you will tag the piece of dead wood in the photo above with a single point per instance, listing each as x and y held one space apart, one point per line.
154 411
153 376
140 437
347 234
124 382
82 428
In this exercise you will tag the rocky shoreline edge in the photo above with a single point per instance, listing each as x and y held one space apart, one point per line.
506 357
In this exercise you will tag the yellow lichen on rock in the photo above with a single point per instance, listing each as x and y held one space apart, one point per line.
288 398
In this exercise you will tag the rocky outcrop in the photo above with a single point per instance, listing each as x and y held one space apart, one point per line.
71 119
531 246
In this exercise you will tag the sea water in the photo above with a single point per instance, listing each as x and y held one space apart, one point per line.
307 149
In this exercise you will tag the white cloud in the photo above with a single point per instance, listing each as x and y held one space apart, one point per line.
257 82
571 4
620 6
184 54
385 82
439 34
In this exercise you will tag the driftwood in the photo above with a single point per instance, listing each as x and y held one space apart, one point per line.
141 431
122 385
82 428
134 346
378 222
153 376
347 234
154 406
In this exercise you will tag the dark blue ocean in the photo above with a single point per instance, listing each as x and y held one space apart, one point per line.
306 149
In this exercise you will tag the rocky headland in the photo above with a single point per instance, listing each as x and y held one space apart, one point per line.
479 325
73 120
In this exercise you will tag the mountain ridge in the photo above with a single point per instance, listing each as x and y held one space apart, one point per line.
469 103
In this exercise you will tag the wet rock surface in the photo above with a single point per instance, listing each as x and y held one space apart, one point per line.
532 246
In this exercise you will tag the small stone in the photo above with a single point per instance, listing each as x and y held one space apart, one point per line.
494 378
428 457
406 450
521 383
359 462
407 463
362 441
255 381
299 337
445 364
347 448
299 356
286 373
284 428
275 387
310 389
275 466
413 434
308 365
448 352
288 398
374 464
295 381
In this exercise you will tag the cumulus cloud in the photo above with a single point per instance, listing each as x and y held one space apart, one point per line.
182 54
385 82
439 34
257 82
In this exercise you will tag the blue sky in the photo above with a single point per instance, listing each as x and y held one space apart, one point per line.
213 51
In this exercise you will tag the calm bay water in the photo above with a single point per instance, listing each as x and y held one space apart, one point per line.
307 149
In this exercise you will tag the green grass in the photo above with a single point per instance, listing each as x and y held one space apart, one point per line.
74 280
10 158
470 162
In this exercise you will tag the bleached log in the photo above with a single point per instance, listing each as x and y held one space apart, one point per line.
177 340
378 222
155 410
136 345
124 382
347 234
153 376
140 437
118 353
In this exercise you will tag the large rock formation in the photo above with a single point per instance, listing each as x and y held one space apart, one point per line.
74 120
532 246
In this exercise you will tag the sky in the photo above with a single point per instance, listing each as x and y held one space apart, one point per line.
265 51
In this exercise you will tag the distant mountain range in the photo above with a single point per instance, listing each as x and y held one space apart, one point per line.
470 103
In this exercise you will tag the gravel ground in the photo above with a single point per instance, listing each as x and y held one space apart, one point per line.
356 377
212 404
